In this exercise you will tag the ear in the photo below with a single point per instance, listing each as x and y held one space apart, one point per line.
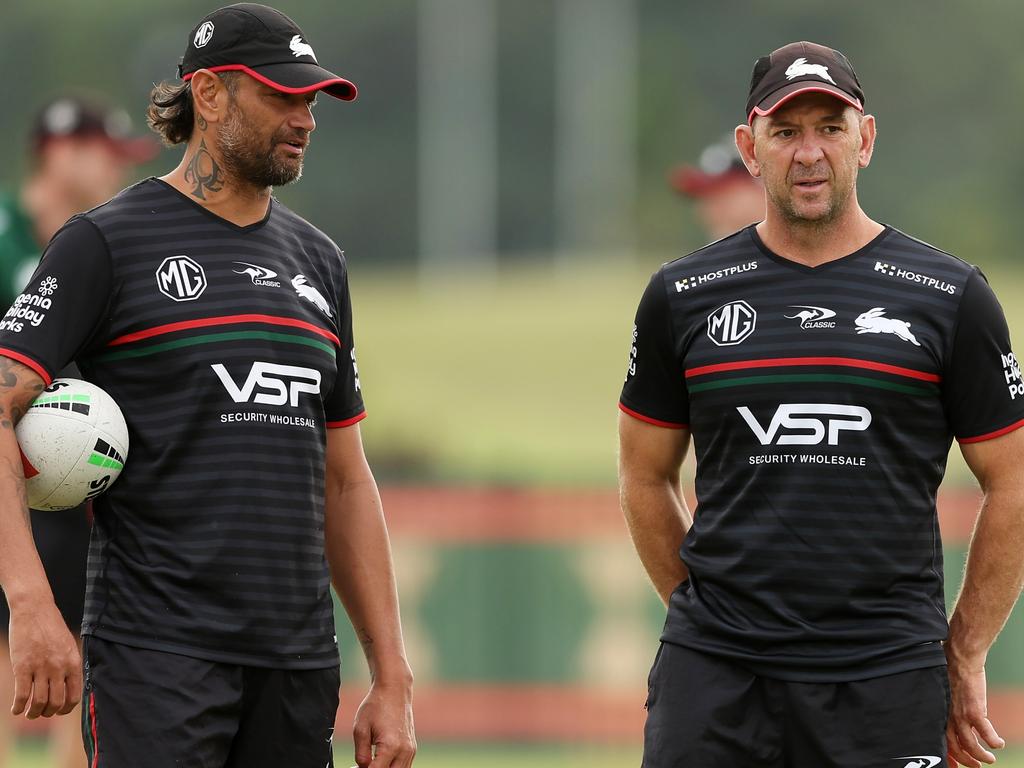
744 136
867 140
209 96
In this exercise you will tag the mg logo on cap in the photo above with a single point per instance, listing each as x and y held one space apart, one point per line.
731 323
180 278
203 34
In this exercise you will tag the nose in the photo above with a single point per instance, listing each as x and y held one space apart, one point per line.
302 117
809 151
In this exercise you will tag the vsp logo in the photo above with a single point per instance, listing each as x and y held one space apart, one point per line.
802 419
180 278
278 384
731 323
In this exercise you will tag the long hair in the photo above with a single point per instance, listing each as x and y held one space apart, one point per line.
170 112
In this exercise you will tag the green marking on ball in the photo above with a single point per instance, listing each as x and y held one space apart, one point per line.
105 461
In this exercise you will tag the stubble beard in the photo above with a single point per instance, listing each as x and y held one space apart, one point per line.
250 159
786 205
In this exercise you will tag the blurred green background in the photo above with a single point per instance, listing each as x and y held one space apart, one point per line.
500 190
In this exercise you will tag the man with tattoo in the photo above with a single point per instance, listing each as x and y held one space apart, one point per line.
81 153
221 323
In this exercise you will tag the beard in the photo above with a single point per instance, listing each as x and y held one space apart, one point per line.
781 197
253 159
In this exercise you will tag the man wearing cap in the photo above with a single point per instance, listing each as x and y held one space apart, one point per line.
823 364
221 323
726 196
82 151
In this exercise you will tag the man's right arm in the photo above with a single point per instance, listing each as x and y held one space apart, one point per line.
652 501
47 665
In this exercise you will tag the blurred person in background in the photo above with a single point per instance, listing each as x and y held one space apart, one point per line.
726 196
823 363
82 152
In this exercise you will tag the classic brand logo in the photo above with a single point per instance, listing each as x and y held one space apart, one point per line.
875 321
731 323
799 417
203 34
282 383
801 67
180 278
813 317
259 275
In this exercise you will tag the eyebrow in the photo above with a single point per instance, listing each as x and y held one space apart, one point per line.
835 117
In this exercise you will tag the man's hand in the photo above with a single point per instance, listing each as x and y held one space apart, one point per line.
969 730
383 731
47 664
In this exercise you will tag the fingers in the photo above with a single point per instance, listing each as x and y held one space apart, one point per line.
46 696
40 697
988 733
363 745
22 690
964 745
405 757
73 690
57 698
393 752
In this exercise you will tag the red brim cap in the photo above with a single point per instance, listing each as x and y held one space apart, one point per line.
294 77
137 150
693 182
788 92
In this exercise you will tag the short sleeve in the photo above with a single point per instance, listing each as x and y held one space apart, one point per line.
344 406
983 393
655 390
59 311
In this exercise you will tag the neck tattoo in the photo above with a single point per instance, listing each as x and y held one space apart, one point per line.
203 172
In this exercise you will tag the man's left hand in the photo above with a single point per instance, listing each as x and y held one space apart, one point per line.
383 732
969 730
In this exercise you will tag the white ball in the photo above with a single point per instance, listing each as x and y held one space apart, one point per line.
74 443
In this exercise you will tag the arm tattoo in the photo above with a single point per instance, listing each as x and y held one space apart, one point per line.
202 171
366 641
8 378
26 389
15 474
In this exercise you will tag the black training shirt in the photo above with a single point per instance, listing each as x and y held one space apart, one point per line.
822 403
229 350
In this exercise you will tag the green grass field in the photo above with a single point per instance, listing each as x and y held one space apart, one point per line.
513 380
503 756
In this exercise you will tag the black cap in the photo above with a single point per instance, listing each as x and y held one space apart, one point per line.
263 43
719 163
78 117
801 68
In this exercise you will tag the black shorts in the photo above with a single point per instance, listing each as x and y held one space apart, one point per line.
162 710
62 540
705 710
